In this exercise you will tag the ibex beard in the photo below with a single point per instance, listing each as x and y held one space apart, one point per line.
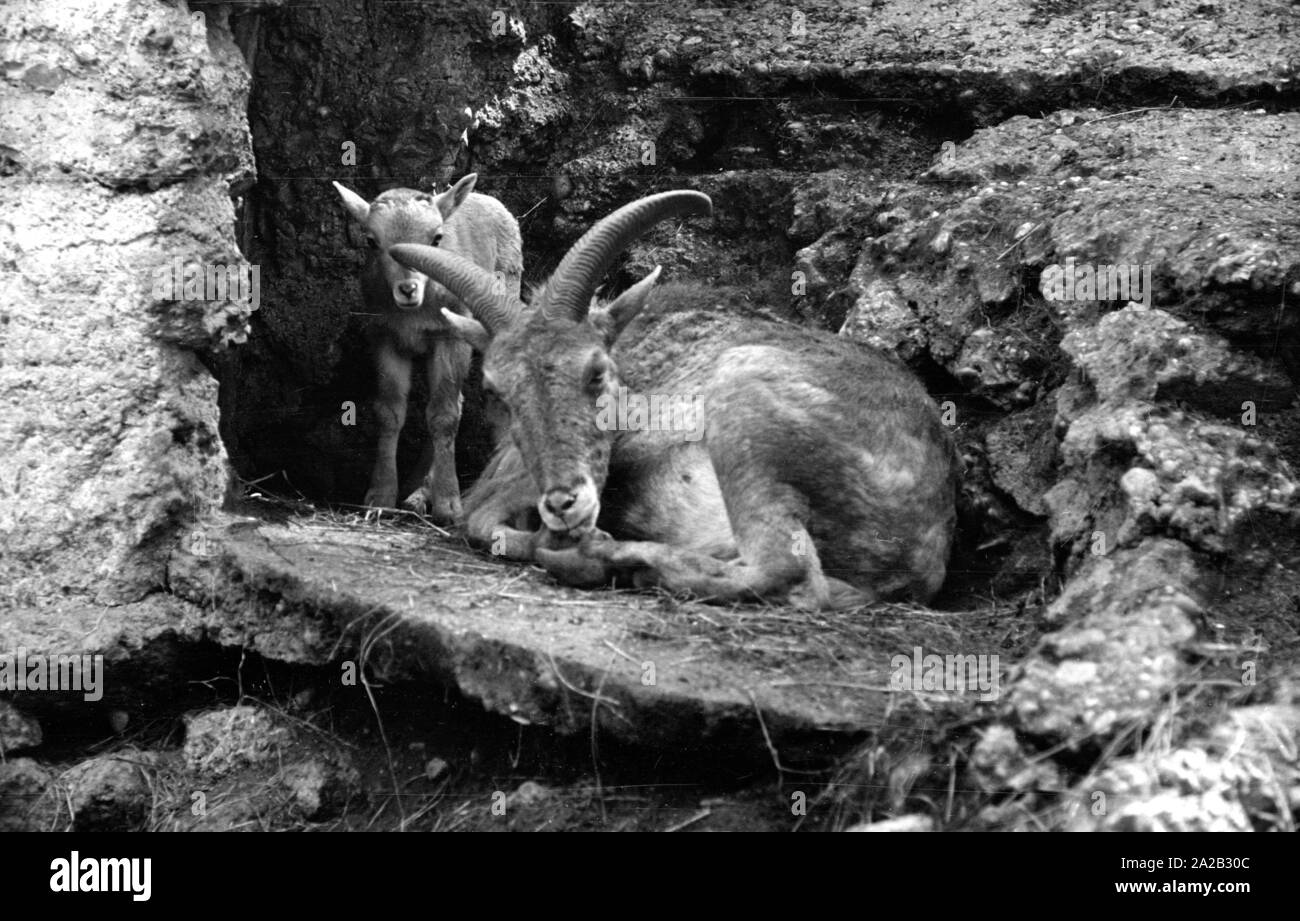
410 329
824 471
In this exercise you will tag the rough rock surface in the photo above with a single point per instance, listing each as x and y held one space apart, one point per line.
1198 481
1127 615
1141 422
219 741
1244 770
320 789
1022 456
17 730
109 793
997 57
1000 762
124 138
966 252
1141 354
29 799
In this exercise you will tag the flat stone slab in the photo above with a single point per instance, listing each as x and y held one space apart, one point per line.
646 667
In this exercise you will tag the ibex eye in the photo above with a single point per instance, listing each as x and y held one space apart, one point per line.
372 243
437 238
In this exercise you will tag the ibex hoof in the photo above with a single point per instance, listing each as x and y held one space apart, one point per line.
828 594
381 497
573 567
444 510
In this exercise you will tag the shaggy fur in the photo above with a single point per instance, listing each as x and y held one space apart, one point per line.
824 467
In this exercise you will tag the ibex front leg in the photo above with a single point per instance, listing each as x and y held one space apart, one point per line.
390 409
777 560
499 506
439 496
768 566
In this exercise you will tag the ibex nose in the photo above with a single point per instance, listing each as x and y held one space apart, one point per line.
559 501
408 288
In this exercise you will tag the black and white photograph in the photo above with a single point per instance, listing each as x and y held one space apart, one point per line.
650 416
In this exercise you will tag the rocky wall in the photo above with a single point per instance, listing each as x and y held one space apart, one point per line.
123 141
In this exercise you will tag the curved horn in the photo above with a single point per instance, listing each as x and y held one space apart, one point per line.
574 282
482 293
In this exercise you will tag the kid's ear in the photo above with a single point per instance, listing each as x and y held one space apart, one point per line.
614 318
467 329
454 197
357 206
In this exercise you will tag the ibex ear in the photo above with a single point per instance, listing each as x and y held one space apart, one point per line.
357 206
467 329
454 197
612 320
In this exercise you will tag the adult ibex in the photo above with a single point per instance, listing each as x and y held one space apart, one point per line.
823 467
410 326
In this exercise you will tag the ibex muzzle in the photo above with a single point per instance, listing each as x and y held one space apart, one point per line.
823 466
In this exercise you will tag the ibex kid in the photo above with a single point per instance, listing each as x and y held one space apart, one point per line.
411 329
